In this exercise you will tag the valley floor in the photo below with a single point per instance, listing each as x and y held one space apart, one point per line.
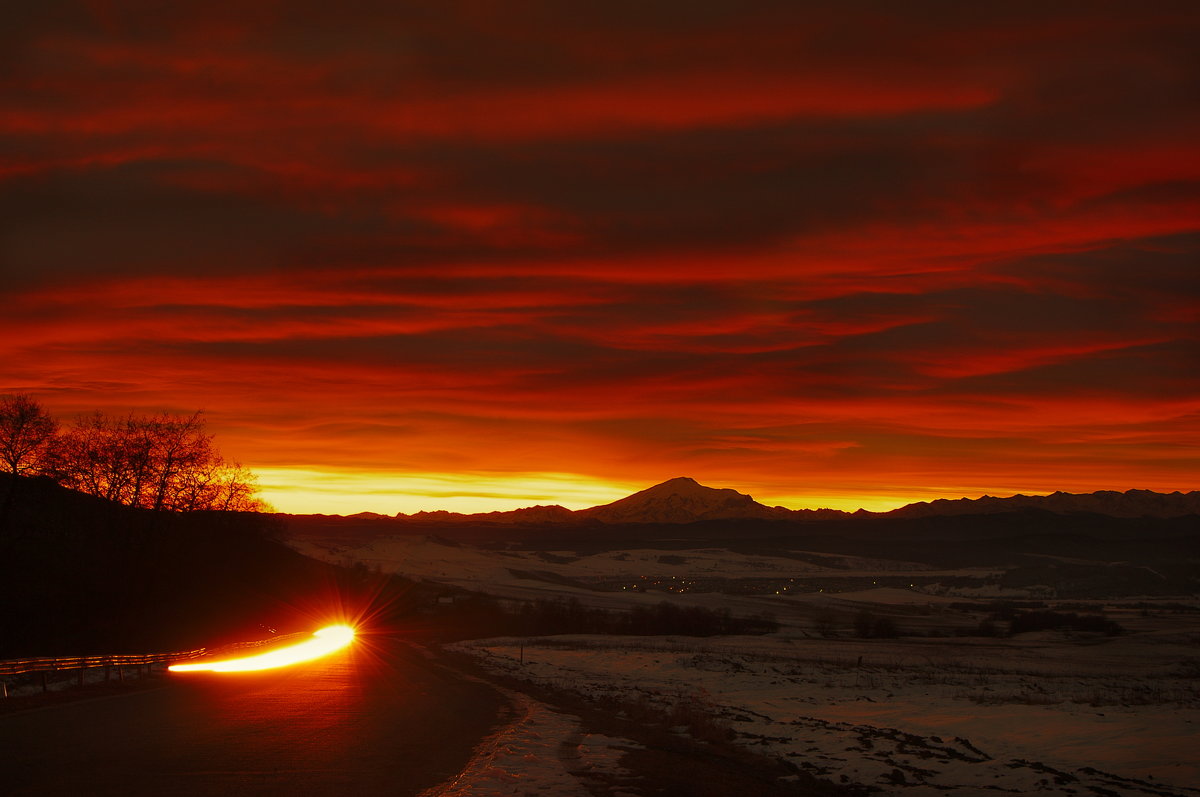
959 692
917 717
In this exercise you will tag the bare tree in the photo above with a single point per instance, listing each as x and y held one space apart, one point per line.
236 490
100 456
137 446
26 430
26 433
162 462
182 451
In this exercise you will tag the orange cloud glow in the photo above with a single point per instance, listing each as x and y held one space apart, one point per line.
411 257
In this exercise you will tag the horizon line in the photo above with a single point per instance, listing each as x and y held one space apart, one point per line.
349 491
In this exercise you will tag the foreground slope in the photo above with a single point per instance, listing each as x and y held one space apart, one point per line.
79 575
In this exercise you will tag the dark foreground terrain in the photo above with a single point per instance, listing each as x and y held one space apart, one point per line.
376 719
84 576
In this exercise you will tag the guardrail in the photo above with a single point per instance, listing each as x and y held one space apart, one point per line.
51 664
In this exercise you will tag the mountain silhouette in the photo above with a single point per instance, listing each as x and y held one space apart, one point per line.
681 500
684 500
1130 504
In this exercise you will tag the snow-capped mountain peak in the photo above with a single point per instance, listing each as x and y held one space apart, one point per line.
679 500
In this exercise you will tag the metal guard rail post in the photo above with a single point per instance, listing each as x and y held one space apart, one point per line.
49 664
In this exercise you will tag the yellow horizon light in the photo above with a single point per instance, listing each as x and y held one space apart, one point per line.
339 491
304 491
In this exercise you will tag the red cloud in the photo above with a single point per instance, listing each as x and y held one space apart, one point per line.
762 248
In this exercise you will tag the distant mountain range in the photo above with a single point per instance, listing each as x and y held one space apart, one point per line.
1129 504
684 500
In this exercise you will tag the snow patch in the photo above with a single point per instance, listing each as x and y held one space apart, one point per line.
911 719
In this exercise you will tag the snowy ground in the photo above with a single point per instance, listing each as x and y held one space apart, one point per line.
540 751
430 557
933 712
917 717
530 575
536 750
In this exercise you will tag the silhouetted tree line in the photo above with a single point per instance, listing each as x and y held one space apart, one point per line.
159 462
1020 622
869 626
1006 618
481 615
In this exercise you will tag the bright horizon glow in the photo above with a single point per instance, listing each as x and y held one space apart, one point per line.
303 491
324 641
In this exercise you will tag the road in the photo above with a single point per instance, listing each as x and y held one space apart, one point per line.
378 718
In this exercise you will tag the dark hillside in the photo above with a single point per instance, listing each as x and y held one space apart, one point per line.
1075 553
942 541
79 575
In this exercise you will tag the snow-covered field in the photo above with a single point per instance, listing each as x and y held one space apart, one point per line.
531 574
1043 715
421 555
539 751
935 711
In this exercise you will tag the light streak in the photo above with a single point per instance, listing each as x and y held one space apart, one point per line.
323 642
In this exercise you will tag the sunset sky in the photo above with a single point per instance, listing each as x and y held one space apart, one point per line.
474 256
